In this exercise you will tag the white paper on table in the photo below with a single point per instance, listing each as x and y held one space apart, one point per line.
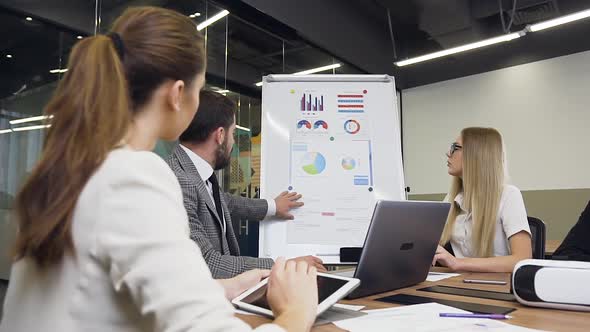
336 313
416 309
423 318
438 276
334 310
349 306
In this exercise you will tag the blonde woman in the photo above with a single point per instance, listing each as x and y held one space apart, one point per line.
487 225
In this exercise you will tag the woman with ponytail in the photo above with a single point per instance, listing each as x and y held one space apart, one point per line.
103 241
487 226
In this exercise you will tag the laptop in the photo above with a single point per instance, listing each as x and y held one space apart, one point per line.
399 246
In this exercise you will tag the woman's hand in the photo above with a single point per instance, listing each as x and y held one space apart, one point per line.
242 282
444 258
293 294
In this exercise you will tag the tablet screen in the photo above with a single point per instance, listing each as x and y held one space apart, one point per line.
326 287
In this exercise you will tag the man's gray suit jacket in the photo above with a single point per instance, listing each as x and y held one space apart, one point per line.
222 254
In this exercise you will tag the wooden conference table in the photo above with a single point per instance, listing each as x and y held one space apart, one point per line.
537 318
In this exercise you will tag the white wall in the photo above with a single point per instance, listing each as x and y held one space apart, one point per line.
542 110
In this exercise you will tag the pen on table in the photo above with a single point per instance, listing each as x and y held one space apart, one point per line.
487 282
491 316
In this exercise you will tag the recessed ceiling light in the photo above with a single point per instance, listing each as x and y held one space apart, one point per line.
9 56
28 18
79 37
194 15
462 48
31 127
31 119
243 128
559 21
312 71
212 19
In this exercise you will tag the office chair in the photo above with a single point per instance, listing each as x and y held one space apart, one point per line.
538 234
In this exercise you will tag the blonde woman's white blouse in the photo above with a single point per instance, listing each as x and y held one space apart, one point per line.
511 219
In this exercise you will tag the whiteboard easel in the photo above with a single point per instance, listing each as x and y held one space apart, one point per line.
336 140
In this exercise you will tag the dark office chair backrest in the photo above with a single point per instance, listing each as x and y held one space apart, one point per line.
538 234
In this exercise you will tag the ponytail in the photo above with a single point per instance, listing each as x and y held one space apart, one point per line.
91 116
109 78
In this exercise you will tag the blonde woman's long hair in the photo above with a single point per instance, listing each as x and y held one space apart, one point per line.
482 183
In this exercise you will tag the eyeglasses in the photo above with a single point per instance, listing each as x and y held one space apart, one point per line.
454 147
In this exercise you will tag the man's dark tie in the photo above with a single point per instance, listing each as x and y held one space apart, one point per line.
216 197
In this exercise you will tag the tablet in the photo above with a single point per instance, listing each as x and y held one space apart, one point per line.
331 289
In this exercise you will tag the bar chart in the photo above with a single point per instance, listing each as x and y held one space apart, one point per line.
311 103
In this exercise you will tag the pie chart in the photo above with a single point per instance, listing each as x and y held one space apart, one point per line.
313 163
348 163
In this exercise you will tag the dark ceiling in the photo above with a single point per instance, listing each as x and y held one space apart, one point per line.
35 49
280 36
42 44
452 23
357 31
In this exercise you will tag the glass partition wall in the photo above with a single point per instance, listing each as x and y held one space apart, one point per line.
37 37
33 53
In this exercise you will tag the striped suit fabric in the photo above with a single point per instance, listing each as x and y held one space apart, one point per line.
221 253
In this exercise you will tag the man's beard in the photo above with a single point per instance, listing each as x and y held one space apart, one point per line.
222 156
